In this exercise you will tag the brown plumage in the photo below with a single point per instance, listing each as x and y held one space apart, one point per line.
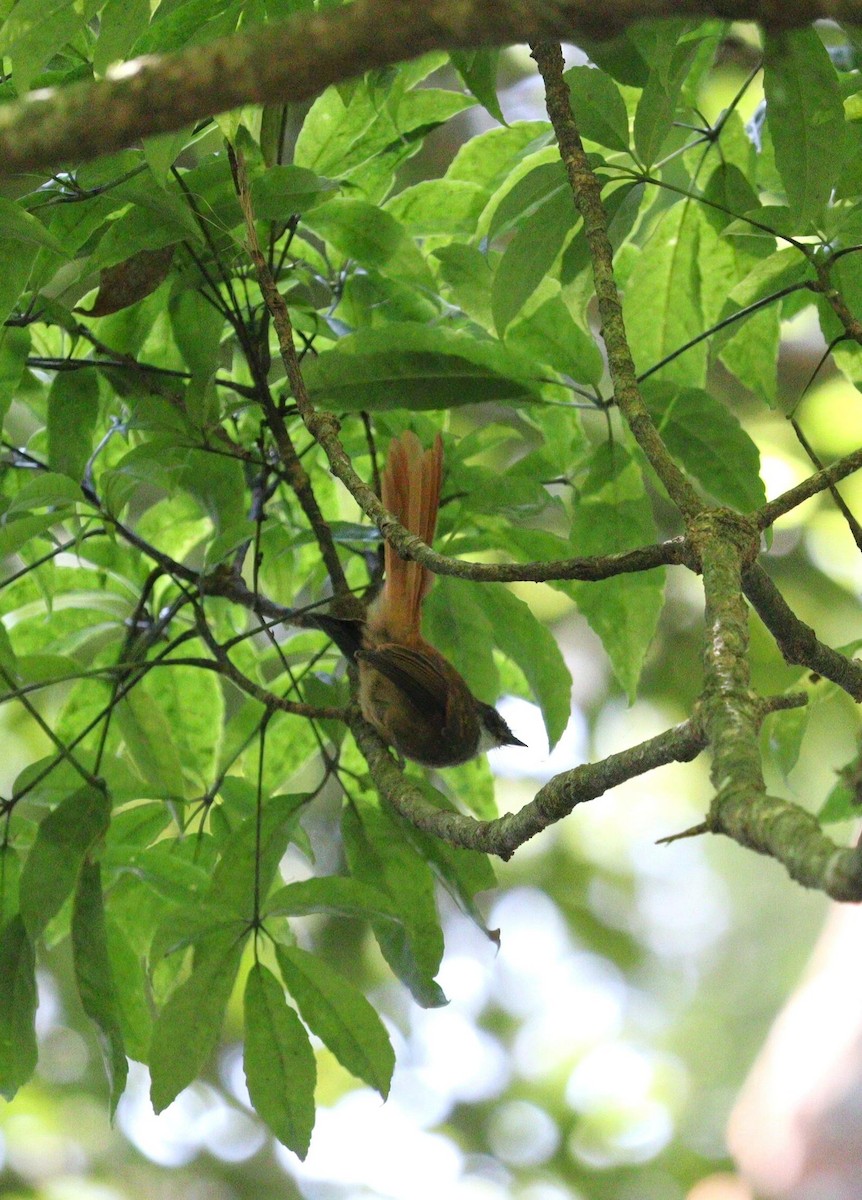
408 691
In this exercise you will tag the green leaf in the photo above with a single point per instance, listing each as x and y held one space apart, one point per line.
514 202
280 1070
370 235
708 440
284 190
462 872
14 348
622 207
805 112
144 227
63 840
18 225
752 353
138 827
469 639
187 1029
438 206
599 108
467 276
132 998
784 732
662 298
94 977
46 490
18 1050
150 744
195 728
252 853
10 879
169 867
732 191
411 366
340 1015
842 804
189 923
657 106
363 136
478 69
378 854
73 409
121 23
23 19
533 647
197 328
620 57
550 335
17 262
488 159
624 610
53 25
749 348
472 783
333 894
195 21
531 254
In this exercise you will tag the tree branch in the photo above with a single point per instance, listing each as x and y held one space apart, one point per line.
825 478
741 808
552 802
295 60
296 472
796 640
588 198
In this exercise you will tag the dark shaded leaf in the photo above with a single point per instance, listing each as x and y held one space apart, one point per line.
187 1029
340 1016
130 281
94 976
17 1008
378 854
280 1070
64 837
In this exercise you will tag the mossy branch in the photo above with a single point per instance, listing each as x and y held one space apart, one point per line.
296 59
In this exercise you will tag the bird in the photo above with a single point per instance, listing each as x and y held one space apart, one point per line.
417 701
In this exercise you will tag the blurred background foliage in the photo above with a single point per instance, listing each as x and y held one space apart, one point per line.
597 1053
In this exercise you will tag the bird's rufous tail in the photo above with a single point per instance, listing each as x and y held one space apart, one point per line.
411 492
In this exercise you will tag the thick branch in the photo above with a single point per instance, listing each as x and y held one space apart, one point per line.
297 59
556 800
741 808
553 802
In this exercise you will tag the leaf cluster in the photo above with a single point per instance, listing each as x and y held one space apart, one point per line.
168 522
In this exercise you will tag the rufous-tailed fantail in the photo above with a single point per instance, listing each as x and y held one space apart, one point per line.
408 691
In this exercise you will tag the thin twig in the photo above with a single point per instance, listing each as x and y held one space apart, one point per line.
296 473
587 194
